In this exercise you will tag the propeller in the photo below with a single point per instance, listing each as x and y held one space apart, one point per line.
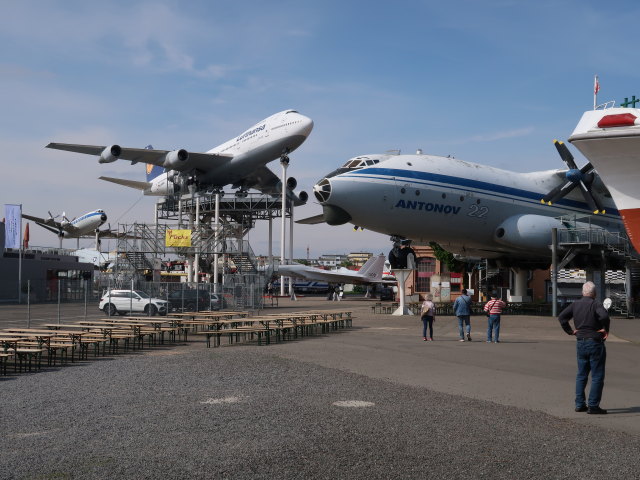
575 177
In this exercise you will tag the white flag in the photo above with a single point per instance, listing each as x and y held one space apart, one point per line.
12 226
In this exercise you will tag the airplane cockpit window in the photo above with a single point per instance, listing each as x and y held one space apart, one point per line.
290 111
353 164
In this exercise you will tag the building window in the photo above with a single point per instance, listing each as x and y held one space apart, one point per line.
425 267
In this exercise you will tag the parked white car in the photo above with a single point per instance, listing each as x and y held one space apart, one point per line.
131 301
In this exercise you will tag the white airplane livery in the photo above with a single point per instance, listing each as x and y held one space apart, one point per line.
82 226
370 272
610 139
469 209
240 162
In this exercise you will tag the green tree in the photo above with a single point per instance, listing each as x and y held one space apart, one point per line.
447 258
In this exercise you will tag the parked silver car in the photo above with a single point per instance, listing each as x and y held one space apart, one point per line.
131 301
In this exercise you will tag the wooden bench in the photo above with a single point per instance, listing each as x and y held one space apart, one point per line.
235 333
22 353
4 360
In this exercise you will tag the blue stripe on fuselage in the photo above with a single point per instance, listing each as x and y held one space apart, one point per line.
83 217
467 183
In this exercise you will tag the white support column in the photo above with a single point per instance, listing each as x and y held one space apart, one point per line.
191 222
196 266
270 253
402 275
216 227
283 226
521 276
291 292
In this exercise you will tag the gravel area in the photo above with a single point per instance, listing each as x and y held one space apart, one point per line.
243 412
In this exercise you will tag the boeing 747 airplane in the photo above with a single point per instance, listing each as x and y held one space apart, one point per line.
240 162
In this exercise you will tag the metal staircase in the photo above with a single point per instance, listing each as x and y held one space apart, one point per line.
241 255
617 244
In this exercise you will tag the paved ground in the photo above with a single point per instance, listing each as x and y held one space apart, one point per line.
413 409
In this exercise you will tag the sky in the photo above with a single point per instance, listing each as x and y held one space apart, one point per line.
491 82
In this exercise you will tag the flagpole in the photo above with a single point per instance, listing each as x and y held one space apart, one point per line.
596 87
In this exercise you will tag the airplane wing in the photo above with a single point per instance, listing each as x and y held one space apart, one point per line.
127 183
199 161
261 179
44 225
39 220
266 181
111 234
316 219
51 225
349 276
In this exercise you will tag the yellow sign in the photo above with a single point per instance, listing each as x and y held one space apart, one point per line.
178 238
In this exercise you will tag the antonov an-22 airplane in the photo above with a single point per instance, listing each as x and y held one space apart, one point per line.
473 210
240 162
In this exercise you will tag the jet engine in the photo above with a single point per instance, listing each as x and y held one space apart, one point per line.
168 187
300 198
176 160
529 232
110 154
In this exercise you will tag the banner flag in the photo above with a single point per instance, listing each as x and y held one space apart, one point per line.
25 238
13 226
178 238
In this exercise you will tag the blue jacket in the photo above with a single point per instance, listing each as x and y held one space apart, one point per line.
462 305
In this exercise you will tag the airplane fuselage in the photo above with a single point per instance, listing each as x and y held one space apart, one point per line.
262 143
84 225
458 204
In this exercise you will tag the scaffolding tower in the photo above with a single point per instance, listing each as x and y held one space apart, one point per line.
142 246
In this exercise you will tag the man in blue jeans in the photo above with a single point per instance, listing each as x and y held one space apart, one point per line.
462 309
591 322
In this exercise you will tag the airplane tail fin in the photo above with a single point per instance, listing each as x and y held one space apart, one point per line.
153 171
372 269
610 140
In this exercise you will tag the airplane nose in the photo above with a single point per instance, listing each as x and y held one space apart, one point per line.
322 190
103 217
307 125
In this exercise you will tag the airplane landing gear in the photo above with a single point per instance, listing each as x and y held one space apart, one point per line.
284 157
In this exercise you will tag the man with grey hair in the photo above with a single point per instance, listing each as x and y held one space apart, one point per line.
591 323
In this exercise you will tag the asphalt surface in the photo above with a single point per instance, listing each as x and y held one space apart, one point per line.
374 401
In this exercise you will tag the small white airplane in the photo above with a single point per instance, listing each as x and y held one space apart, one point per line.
240 162
370 272
90 255
84 226
610 139
475 211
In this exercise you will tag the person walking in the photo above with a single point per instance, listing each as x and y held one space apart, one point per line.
494 310
462 310
337 293
428 316
591 323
